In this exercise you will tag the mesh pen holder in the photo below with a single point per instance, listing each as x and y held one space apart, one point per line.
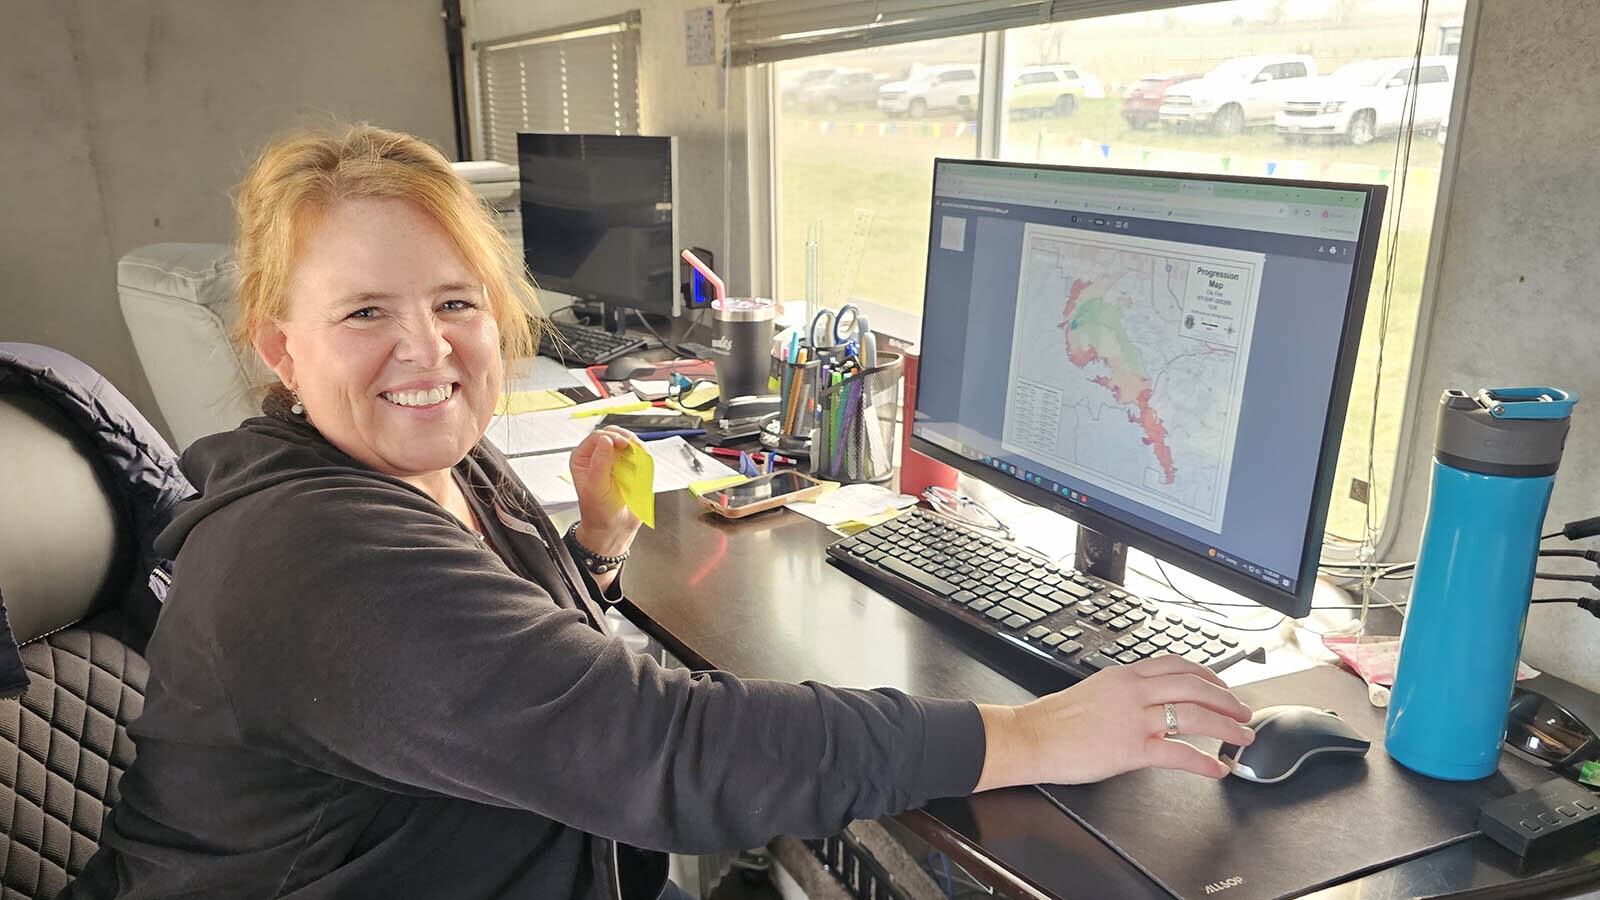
853 437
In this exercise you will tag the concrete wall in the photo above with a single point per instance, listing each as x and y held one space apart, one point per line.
128 122
674 99
1517 286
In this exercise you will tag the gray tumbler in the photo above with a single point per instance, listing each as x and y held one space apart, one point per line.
741 340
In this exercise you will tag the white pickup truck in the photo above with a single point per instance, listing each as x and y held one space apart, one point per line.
1369 98
1239 93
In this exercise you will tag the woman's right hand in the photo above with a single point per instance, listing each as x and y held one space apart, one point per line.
1112 722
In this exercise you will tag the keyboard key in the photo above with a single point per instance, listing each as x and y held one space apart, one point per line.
1052 639
1095 661
979 606
915 575
963 597
1015 621
1146 649
1037 632
1072 631
1044 603
1022 609
1067 648
997 613
1126 656
1119 624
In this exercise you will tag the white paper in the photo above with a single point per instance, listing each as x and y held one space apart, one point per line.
545 374
852 502
548 430
674 472
548 477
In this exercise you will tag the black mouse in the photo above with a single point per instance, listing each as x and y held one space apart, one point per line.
1289 737
624 367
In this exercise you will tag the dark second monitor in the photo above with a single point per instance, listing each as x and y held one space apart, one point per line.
599 219
1165 358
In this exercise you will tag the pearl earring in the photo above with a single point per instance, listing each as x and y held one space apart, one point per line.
297 408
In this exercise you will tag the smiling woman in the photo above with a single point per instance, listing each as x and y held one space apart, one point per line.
389 341
381 670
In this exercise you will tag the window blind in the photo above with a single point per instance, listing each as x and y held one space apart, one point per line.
761 31
583 79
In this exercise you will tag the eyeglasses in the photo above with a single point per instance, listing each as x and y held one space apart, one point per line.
1545 730
964 509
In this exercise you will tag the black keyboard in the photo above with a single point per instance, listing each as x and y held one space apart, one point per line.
1022 609
580 345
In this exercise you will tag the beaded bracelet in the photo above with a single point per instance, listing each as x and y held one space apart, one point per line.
596 563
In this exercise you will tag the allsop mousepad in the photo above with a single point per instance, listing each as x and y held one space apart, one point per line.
1232 838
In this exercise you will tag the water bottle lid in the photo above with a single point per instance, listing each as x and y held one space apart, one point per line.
1515 432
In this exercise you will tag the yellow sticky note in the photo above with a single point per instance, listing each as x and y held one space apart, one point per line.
530 401
635 476
705 485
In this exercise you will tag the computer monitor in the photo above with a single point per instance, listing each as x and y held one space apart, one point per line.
1165 358
598 219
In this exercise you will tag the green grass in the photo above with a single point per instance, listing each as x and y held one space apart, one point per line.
870 192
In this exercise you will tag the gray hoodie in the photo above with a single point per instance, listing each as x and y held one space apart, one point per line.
352 695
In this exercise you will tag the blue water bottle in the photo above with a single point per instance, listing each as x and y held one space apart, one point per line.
1494 464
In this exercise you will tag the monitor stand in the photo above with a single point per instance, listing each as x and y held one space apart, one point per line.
613 318
1101 557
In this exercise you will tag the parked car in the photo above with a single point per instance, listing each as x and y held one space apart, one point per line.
947 87
1369 98
1040 90
1239 93
842 88
1141 105
791 83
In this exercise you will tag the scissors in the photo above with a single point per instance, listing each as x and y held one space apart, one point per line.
830 329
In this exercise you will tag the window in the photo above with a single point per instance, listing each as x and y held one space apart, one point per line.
854 176
584 78
1230 87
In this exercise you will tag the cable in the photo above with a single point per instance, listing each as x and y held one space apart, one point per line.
657 335
1558 576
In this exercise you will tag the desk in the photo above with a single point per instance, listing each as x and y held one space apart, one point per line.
758 598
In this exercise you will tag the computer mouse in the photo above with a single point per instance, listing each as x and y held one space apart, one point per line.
1290 737
624 367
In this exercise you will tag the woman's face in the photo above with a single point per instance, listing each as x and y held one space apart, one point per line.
389 340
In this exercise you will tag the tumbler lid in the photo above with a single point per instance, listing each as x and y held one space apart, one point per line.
743 309
1516 432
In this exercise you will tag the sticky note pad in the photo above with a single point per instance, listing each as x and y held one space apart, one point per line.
635 476
517 402
704 485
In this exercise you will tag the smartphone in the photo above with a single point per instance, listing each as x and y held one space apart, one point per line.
578 394
765 492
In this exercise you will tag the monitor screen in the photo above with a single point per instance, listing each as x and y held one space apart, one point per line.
1165 358
598 217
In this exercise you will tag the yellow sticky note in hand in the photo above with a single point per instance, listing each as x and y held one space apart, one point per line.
635 477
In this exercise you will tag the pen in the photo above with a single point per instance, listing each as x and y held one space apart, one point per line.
758 456
692 457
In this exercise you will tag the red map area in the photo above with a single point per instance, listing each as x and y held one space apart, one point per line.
1122 384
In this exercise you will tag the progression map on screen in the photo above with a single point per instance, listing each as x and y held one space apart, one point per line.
1128 364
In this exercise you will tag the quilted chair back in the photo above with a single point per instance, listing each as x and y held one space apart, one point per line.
66 559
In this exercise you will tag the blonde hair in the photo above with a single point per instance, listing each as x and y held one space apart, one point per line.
299 176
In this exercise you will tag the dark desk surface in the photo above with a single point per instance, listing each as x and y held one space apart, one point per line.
758 598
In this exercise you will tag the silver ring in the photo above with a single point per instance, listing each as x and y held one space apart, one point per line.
1172 719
